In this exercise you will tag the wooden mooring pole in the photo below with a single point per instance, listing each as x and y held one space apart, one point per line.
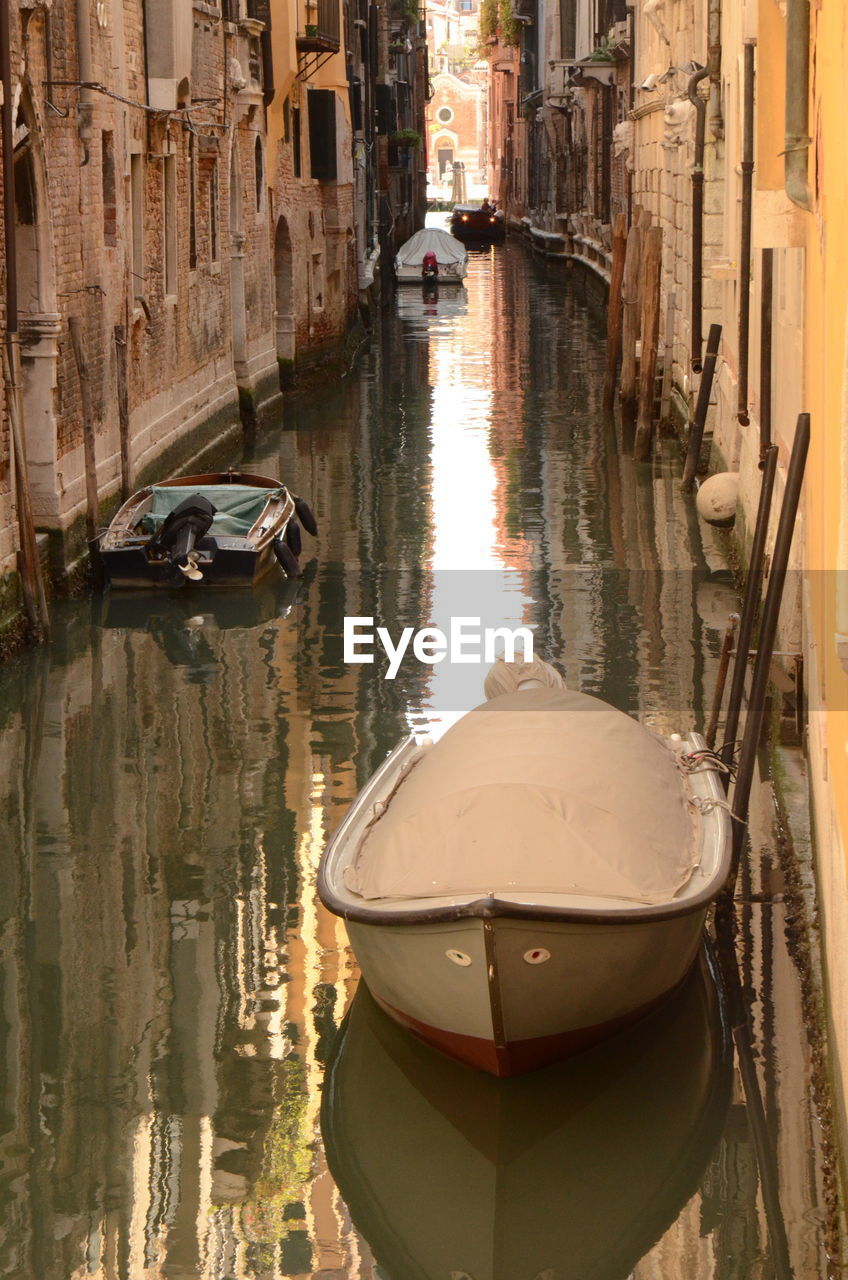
750 603
631 314
696 431
619 252
652 258
768 633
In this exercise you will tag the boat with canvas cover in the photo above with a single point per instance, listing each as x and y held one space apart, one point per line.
222 528
534 881
451 257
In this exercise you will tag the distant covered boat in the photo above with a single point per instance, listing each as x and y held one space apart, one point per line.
451 257
472 222
222 528
533 882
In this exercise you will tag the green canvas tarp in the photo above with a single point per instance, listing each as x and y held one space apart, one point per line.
237 506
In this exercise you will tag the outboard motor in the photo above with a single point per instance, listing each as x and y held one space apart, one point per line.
180 530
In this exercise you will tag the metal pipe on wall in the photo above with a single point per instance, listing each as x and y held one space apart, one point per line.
766 293
745 244
697 215
714 64
84 65
797 141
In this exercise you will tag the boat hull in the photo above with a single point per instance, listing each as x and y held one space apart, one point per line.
478 227
510 995
225 562
412 275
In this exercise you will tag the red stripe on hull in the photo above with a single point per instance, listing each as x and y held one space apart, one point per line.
520 1056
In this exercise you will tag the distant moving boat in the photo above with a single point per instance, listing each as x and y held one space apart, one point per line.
471 222
536 880
222 528
572 1173
451 257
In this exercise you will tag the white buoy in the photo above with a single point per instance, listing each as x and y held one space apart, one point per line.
717 497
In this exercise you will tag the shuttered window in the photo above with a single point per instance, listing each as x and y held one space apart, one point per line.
322 134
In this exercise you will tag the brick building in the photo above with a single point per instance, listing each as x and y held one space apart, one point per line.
198 193
456 117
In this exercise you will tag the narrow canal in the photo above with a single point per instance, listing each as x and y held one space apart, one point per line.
176 1098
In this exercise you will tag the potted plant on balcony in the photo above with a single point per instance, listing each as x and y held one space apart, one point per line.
404 141
311 30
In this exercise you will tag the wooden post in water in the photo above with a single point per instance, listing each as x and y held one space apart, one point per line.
630 314
652 258
92 512
120 335
619 250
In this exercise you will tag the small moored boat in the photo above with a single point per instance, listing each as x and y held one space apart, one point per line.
483 225
536 880
222 528
451 257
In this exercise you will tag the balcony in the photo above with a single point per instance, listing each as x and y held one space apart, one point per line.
319 39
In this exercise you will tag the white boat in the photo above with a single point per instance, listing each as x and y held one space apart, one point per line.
451 256
534 881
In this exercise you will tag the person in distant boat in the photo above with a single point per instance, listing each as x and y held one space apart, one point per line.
430 266
485 206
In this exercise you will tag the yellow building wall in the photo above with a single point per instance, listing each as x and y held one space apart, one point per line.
827 495
288 17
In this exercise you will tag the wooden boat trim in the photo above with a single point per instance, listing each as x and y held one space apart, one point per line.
381 913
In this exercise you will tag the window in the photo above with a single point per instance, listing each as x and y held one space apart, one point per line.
169 209
322 134
192 204
107 177
259 168
296 141
137 213
317 282
214 229
444 115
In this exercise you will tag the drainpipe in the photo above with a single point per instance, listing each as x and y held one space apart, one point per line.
86 99
698 214
766 295
745 246
797 142
714 64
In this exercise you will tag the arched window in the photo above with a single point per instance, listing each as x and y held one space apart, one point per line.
259 163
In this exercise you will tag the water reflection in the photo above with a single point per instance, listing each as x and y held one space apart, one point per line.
170 988
450 1174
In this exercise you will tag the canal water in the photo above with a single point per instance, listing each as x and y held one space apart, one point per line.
180 1092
